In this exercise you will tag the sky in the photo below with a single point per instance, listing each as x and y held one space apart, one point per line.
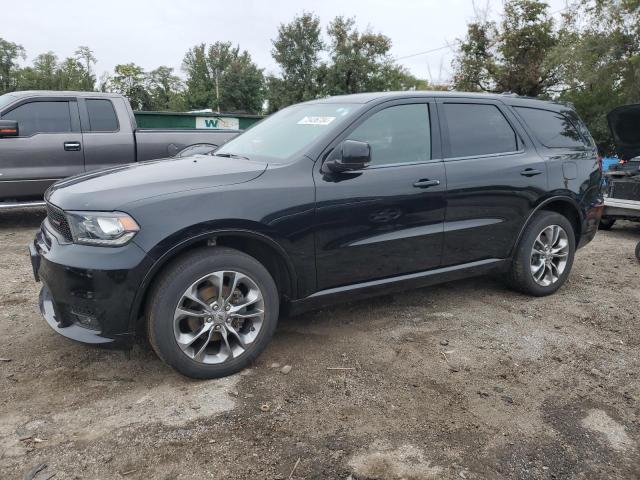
153 33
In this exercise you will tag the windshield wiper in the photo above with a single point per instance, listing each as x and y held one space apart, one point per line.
230 155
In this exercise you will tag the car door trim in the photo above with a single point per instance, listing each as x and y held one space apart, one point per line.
420 231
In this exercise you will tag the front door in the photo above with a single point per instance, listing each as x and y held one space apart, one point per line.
494 179
49 147
386 219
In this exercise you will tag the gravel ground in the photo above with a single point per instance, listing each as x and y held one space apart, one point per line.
464 380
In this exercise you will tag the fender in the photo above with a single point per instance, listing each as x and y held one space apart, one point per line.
540 206
183 244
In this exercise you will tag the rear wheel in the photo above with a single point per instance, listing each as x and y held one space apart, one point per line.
606 223
544 256
212 312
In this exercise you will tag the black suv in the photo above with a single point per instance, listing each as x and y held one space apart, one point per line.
322 202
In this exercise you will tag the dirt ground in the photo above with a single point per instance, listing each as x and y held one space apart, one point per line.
465 380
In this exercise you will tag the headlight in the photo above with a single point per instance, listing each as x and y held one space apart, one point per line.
108 229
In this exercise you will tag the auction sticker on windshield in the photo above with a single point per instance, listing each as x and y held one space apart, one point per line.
316 120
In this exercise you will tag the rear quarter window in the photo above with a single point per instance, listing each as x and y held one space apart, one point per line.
102 116
552 129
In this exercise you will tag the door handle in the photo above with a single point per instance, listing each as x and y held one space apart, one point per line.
426 183
530 172
72 146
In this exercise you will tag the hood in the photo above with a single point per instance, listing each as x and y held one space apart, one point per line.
624 123
111 188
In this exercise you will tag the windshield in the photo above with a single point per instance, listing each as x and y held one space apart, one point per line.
288 131
6 99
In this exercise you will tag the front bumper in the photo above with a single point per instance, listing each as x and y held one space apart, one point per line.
615 207
88 292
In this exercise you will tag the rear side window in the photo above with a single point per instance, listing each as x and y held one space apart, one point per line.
41 117
477 129
552 129
398 134
102 116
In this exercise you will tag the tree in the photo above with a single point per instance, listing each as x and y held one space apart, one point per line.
360 62
223 78
41 75
296 50
510 56
166 89
72 75
85 56
598 56
130 80
10 53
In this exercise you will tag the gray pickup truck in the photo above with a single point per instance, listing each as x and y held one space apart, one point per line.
46 136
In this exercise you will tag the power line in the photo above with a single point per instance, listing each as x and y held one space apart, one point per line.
444 47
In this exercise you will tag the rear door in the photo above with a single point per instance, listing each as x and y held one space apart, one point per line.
107 132
386 219
49 146
494 179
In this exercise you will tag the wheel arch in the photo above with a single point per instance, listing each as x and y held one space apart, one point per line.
565 206
258 245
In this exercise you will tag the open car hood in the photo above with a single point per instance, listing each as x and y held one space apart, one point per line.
624 123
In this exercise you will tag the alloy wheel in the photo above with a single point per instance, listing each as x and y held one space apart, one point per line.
218 317
549 255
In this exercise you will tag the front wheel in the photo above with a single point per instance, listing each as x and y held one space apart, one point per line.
212 312
544 256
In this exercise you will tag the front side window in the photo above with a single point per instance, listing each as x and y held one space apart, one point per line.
477 129
41 117
102 116
397 134
552 129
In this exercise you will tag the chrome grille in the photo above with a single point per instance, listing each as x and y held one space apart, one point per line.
58 222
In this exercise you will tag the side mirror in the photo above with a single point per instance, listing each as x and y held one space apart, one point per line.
8 128
351 155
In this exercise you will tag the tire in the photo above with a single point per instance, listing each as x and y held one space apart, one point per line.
638 251
521 276
606 223
170 292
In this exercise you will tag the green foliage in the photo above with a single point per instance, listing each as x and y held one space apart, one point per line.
221 77
166 90
598 57
360 62
130 80
509 56
297 50
10 54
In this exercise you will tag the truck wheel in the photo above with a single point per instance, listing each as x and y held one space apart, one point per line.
212 312
606 223
544 256
638 251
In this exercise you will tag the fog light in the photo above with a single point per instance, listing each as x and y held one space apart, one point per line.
85 320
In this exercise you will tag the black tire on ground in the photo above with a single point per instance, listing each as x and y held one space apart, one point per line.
168 291
520 275
606 223
638 251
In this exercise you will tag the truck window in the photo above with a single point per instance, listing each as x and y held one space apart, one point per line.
41 117
397 134
102 116
552 129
